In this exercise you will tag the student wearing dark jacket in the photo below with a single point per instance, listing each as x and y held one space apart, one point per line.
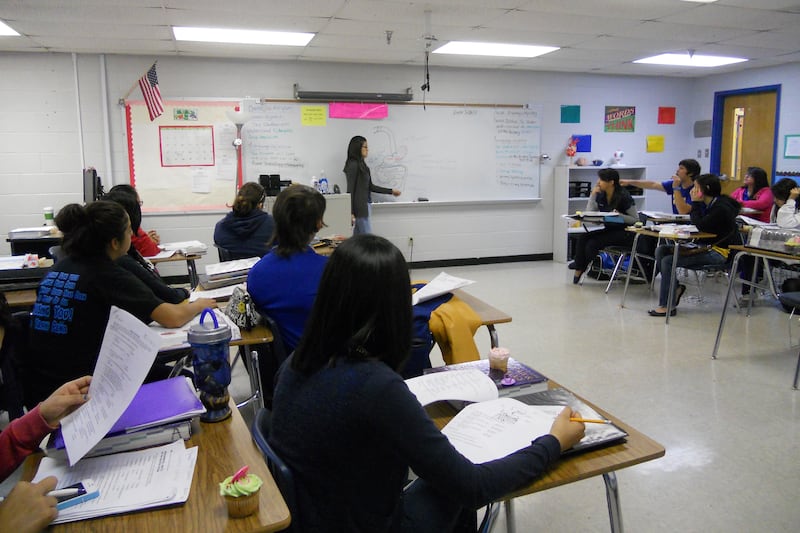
247 229
349 428
712 212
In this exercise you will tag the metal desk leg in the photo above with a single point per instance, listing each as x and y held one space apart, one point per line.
674 280
194 279
612 497
630 267
796 373
732 278
493 338
511 526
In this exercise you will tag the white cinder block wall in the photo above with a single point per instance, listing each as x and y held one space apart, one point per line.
41 135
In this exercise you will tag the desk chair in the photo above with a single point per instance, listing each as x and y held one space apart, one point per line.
792 299
224 254
261 370
622 253
283 476
15 345
56 253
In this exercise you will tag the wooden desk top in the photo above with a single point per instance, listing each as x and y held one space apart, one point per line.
224 448
656 234
23 298
783 256
489 315
637 448
261 334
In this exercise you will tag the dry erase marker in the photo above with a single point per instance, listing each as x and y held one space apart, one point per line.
64 493
590 420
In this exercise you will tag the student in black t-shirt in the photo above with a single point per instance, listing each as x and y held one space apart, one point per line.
75 298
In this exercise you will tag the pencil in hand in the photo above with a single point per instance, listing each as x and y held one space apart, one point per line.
590 420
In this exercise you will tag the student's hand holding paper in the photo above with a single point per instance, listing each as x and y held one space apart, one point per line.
568 433
64 400
28 508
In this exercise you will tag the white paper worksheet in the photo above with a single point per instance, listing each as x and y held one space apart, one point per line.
126 355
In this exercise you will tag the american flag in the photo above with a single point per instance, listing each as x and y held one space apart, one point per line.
152 96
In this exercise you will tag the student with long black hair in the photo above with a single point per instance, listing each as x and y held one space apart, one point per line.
75 298
349 428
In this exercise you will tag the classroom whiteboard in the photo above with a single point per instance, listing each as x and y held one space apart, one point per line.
442 152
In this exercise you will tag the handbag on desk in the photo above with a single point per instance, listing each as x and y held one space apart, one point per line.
241 310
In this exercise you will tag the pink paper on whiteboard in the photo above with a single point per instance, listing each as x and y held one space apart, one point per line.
357 110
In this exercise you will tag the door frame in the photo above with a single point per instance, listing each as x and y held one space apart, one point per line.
717 119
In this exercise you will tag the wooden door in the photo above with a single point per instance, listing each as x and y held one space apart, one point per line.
748 135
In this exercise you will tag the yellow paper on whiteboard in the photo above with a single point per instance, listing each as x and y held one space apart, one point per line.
655 143
313 115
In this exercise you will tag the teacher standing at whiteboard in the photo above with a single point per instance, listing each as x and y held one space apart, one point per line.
360 186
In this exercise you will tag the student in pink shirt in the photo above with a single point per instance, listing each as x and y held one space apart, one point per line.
755 193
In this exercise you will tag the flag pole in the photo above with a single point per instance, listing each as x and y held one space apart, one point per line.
136 83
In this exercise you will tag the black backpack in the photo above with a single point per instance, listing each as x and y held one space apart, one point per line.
790 285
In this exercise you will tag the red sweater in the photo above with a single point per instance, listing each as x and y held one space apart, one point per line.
144 244
20 439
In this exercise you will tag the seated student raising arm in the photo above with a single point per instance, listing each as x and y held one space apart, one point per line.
75 298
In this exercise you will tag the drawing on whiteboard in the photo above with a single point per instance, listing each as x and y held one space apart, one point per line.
389 171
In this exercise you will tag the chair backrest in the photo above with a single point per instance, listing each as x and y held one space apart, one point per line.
278 346
262 425
224 254
15 346
56 253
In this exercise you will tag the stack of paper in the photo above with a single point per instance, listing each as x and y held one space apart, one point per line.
441 284
12 262
127 481
229 269
185 247
175 338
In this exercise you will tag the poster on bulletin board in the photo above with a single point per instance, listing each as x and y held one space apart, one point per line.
185 160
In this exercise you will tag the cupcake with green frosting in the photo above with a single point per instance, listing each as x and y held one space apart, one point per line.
241 493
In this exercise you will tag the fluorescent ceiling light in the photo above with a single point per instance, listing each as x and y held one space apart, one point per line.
5 29
700 1
686 60
493 49
224 35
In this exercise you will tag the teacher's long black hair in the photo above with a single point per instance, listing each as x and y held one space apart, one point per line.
362 309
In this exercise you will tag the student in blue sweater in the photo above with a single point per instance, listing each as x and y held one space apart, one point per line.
348 427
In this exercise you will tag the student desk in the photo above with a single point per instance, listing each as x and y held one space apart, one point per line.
488 314
637 448
22 299
676 241
34 245
190 259
224 447
756 253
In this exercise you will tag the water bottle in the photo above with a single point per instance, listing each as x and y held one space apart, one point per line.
212 369
314 183
323 183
